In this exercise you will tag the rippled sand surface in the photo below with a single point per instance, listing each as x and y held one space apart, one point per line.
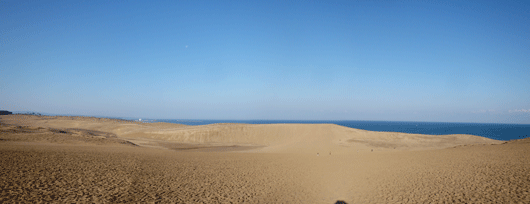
78 159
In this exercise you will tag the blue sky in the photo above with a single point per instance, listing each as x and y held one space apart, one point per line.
459 61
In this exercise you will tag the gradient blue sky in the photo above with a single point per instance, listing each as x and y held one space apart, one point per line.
461 61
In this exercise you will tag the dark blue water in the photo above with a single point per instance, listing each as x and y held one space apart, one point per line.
489 130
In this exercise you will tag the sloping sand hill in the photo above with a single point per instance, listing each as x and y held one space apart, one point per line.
80 159
284 138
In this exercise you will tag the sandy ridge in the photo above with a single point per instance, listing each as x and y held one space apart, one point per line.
88 160
293 138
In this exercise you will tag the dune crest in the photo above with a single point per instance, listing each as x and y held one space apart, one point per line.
288 138
84 159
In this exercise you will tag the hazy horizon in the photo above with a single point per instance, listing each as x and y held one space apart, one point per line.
431 61
249 119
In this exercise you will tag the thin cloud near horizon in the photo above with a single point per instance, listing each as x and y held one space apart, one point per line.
519 111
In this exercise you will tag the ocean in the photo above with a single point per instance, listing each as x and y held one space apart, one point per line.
490 130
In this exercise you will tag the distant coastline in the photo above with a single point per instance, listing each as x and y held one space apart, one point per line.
490 130
497 131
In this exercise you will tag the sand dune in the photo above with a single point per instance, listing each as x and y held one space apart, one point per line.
79 159
292 138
